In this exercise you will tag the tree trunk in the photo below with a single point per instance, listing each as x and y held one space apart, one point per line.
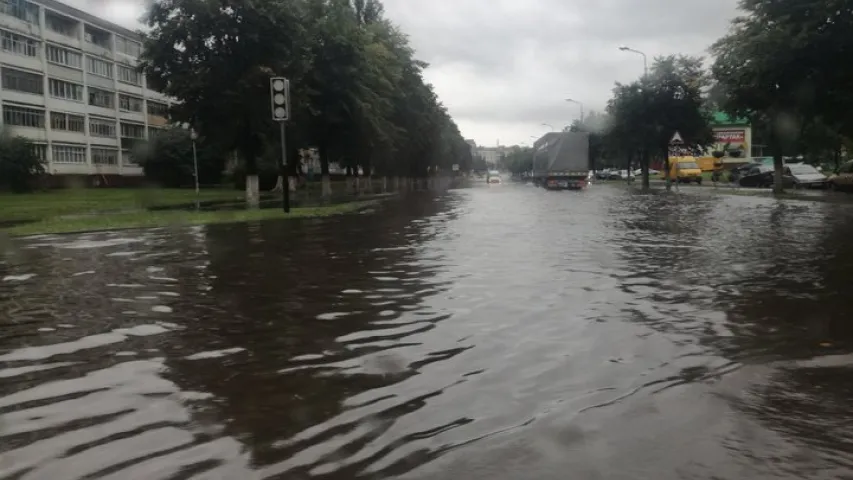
778 167
253 195
668 171
778 163
644 166
326 180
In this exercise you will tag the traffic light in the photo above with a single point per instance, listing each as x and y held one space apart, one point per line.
280 98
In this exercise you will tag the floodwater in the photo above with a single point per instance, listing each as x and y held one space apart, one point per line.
488 333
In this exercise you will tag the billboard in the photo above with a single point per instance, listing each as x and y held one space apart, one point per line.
730 135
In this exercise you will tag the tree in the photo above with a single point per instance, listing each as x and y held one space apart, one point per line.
644 115
168 159
358 93
519 160
19 165
216 60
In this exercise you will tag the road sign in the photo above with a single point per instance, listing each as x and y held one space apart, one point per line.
676 139
280 98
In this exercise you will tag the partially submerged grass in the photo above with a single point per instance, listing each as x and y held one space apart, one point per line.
146 219
55 203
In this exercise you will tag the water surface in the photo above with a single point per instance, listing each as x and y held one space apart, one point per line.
500 333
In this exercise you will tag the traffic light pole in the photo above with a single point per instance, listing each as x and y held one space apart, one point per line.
285 198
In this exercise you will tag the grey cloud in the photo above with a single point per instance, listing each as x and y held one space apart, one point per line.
503 67
502 64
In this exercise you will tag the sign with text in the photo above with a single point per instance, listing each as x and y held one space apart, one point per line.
733 136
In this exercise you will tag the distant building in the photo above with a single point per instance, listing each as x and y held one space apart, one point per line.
70 84
492 155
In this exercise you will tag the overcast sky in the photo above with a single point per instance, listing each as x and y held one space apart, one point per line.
505 67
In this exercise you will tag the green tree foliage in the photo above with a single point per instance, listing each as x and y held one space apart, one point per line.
479 164
779 65
168 159
19 165
519 160
358 93
644 115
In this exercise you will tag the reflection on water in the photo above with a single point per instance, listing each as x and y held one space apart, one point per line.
488 333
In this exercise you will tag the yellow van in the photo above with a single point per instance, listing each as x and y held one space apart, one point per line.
684 169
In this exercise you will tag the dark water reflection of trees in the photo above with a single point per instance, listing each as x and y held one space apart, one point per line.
313 304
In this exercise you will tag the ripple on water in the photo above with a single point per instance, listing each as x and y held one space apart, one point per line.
488 333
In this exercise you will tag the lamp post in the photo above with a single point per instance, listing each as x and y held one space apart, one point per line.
549 126
578 104
645 61
194 137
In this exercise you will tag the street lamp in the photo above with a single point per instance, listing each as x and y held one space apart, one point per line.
194 137
549 126
578 104
645 62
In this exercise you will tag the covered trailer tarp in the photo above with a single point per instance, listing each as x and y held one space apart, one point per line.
562 154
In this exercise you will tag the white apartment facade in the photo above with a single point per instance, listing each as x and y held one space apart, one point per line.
68 82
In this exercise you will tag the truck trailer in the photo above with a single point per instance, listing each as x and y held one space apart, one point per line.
561 160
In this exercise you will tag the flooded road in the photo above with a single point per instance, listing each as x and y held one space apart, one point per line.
489 333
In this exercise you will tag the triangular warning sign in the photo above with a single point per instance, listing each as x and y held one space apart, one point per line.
676 139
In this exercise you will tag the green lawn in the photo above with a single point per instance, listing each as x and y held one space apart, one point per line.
42 205
66 211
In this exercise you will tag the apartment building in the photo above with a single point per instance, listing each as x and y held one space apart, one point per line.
68 82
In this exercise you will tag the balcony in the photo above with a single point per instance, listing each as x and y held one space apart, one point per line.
97 41
62 30
20 16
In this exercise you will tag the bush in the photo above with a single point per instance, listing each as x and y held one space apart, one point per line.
167 159
19 165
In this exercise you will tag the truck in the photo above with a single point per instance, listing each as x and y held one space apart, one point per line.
561 160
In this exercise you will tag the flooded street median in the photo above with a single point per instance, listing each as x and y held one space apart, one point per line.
486 333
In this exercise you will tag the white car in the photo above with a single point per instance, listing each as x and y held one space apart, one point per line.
494 177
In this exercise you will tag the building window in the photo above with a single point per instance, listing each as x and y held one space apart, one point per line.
104 156
128 47
40 151
126 103
101 98
132 130
157 108
129 75
21 81
61 25
18 45
68 154
65 90
23 116
127 159
102 128
65 57
99 67
97 37
22 9
67 122
154 131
